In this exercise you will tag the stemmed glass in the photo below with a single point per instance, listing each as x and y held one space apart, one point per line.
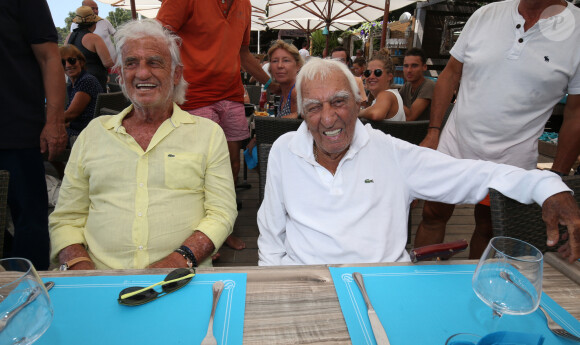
508 277
25 307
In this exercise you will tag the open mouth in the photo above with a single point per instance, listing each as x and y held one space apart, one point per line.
146 86
333 133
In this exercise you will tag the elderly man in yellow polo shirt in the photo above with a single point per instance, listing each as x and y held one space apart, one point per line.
151 186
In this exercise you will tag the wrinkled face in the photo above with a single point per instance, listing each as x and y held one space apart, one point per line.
146 72
340 56
283 66
358 70
72 70
377 84
330 112
413 68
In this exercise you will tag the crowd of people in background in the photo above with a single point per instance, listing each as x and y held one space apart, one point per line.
191 121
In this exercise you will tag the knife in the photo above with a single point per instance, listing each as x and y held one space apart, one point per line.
378 330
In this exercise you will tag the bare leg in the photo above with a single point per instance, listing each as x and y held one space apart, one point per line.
483 231
432 227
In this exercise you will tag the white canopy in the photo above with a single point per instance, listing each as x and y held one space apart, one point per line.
149 9
341 12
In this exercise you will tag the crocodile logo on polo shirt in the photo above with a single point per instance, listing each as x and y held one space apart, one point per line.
368 180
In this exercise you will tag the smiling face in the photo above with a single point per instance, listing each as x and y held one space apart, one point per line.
146 73
377 84
330 112
73 71
413 68
283 67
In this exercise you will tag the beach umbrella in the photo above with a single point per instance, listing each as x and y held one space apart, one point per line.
334 11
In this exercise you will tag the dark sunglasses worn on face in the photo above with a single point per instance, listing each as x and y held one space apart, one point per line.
174 281
71 61
378 72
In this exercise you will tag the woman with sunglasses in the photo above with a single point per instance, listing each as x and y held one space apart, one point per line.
388 104
285 62
82 91
92 46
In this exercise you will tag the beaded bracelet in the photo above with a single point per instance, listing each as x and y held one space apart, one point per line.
439 128
187 254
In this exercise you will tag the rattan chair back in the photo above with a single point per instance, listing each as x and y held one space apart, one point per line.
514 219
268 129
263 153
108 103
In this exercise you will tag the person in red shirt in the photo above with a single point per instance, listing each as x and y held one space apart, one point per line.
216 38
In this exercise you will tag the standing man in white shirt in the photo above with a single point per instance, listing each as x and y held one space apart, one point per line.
509 86
104 29
304 51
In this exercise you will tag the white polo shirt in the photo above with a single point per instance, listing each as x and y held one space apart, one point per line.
359 214
511 81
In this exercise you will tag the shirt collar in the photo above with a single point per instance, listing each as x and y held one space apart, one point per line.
177 118
301 144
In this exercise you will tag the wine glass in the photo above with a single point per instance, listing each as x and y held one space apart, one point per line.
25 307
508 277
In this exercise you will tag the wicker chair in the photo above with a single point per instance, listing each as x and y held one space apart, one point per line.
4 179
113 87
413 132
263 153
513 219
254 91
110 103
268 129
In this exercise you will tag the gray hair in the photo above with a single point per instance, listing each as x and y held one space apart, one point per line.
137 29
325 70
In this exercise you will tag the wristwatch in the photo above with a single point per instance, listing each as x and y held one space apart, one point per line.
65 266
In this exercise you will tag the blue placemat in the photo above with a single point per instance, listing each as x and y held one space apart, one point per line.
427 304
86 311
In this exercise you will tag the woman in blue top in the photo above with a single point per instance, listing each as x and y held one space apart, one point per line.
82 91
285 62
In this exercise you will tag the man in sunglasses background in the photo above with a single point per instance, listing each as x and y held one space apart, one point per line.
151 186
339 192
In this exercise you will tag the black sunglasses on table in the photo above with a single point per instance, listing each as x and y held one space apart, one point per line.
175 280
378 72
71 61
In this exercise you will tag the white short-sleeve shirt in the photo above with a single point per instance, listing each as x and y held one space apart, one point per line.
510 83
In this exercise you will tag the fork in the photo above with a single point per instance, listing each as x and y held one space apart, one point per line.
557 329
217 291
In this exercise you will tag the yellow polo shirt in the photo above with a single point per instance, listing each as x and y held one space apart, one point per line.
131 207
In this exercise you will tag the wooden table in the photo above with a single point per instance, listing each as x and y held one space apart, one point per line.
299 305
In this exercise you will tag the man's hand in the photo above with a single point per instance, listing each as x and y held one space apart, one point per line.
562 209
53 139
431 139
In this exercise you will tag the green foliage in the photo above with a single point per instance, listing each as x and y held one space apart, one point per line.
319 42
69 20
119 17
62 33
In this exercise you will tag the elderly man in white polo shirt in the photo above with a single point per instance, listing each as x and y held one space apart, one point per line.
339 192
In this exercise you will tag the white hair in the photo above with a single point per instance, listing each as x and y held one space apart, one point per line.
137 29
323 69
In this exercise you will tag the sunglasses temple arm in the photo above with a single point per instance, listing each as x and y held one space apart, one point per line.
161 283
